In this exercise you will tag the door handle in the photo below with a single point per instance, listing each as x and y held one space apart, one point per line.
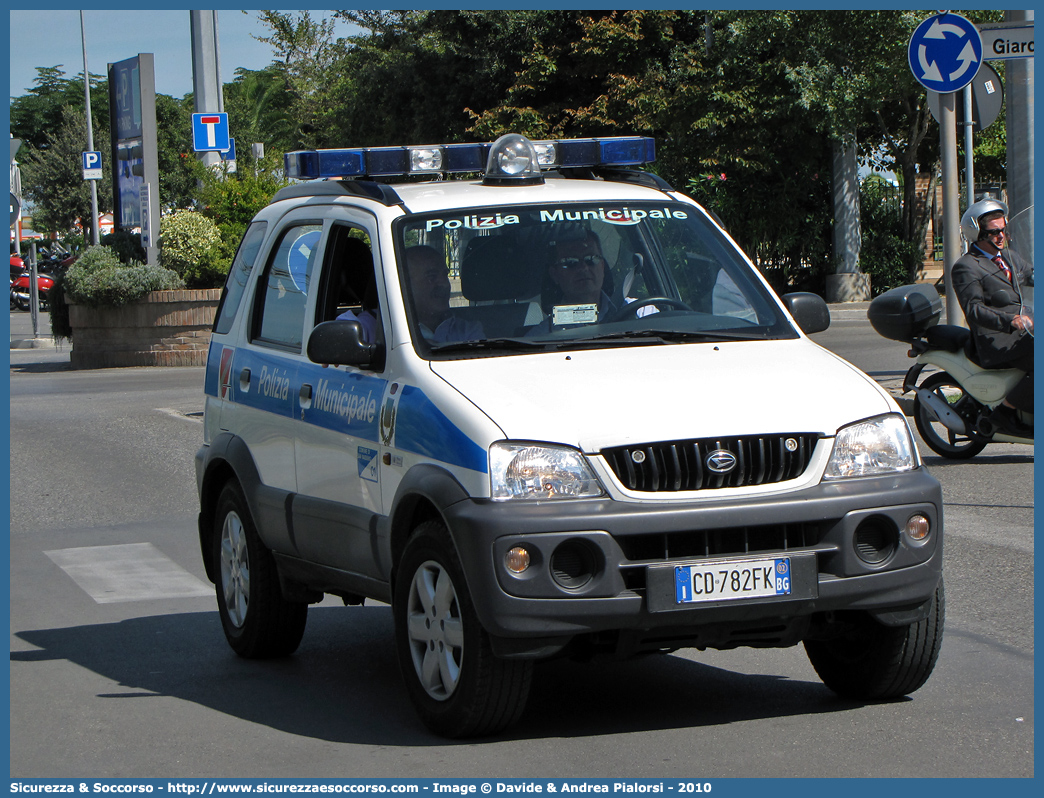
244 380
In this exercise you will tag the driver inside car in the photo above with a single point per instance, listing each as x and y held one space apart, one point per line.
578 278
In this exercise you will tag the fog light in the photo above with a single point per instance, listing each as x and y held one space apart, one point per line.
573 564
517 560
876 539
917 527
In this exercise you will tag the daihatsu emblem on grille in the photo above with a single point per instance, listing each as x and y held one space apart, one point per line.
721 461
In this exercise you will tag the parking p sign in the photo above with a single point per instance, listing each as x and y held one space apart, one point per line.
92 166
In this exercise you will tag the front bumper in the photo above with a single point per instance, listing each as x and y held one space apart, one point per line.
626 548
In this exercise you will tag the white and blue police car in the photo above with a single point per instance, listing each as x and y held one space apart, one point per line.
542 404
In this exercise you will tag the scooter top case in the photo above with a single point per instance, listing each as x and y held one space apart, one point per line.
905 313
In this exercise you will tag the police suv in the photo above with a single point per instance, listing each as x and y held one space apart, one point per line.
542 404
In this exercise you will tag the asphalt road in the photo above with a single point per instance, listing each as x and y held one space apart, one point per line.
125 673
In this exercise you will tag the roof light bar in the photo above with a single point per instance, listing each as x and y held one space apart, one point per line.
460 158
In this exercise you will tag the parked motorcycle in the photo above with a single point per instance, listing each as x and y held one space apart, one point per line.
21 287
53 259
954 400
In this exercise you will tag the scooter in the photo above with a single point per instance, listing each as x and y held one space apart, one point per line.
952 405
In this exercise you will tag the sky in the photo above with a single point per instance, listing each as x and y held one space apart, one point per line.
47 38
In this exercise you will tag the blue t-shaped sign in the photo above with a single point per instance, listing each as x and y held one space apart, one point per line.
210 132
945 53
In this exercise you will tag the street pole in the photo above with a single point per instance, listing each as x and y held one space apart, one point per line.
951 198
95 236
1020 114
206 71
969 145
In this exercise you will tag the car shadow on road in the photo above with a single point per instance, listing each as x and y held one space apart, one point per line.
343 684
45 367
986 457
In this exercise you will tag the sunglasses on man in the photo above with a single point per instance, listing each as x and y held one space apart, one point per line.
591 261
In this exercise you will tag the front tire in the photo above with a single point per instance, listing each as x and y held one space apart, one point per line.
874 662
934 433
457 685
258 622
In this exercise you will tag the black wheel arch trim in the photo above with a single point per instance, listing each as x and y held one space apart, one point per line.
228 456
426 491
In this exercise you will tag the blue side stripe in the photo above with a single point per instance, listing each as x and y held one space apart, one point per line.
210 376
422 428
273 382
345 402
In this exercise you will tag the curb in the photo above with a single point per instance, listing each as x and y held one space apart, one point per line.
33 343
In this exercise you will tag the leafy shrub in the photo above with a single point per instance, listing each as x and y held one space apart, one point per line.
126 245
883 254
99 279
889 260
58 310
190 245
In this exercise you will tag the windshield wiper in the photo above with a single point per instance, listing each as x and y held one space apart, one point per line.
668 336
489 344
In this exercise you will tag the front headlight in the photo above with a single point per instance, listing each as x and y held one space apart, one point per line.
881 445
527 471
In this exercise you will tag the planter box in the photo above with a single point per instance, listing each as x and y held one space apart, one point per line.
164 328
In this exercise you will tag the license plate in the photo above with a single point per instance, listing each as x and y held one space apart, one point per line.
732 579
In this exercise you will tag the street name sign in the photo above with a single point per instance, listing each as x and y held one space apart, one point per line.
945 52
1004 40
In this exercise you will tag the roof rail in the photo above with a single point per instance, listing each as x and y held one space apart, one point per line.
379 192
618 175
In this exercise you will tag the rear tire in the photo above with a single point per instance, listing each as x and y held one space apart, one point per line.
457 685
875 662
933 432
258 622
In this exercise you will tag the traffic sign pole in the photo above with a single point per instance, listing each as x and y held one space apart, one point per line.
95 232
944 53
969 146
951 207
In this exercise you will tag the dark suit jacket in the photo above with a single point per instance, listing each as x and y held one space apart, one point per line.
978 283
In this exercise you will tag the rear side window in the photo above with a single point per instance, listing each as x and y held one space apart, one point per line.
235 284
283 290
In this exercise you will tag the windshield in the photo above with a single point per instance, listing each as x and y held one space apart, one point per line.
525 278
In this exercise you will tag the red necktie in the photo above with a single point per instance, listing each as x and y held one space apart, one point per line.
1004 266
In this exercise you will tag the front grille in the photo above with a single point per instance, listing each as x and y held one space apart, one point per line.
727 542
683 465
662 547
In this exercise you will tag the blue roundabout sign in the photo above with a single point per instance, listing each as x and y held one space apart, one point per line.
945 52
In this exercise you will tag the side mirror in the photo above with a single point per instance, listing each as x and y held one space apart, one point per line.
340 343
810 311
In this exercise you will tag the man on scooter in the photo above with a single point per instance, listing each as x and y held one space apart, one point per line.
988 281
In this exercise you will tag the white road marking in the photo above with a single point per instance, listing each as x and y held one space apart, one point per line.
130 572
194 417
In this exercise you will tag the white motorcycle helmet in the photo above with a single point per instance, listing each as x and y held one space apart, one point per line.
970 220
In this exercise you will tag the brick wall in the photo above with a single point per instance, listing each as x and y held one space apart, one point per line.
165 328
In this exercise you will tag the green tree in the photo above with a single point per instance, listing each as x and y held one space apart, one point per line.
304 61
260 109
177 184
52 177
232 201
39 111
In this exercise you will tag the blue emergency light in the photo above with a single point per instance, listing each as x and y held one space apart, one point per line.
510 159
